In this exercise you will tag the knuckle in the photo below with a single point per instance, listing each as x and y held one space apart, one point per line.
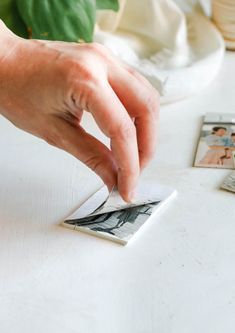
86 73
152 98
100 51
126 130
132 71
95 163
97 48
73 69
153 104
82 69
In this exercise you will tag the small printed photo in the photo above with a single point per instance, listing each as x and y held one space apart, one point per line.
229 183
121 225
105 215
216 146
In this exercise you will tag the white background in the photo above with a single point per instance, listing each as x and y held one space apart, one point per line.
176 276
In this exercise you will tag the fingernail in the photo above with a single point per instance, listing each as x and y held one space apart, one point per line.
131 196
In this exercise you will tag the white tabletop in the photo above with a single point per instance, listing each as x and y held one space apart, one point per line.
176 276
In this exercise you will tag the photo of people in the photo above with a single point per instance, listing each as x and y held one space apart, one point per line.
216 146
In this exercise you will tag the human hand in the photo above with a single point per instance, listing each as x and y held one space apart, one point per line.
46 86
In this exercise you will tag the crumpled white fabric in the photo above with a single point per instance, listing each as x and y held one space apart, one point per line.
172 43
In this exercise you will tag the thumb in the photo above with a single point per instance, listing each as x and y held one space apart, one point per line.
77 142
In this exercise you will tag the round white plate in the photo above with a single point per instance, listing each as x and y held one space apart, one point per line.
206 47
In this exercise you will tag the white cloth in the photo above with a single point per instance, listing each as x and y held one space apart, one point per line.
178 51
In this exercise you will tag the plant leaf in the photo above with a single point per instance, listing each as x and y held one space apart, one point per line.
107 4
66 20
10 15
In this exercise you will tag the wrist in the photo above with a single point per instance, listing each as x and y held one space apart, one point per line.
10 44
8 41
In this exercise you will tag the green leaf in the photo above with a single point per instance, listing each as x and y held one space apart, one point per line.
10 15
107 4
66 20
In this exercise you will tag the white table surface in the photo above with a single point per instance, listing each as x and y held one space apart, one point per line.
177 276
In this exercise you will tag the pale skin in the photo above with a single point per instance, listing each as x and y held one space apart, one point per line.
45 87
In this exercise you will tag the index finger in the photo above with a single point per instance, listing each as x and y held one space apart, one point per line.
142 103
115 122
